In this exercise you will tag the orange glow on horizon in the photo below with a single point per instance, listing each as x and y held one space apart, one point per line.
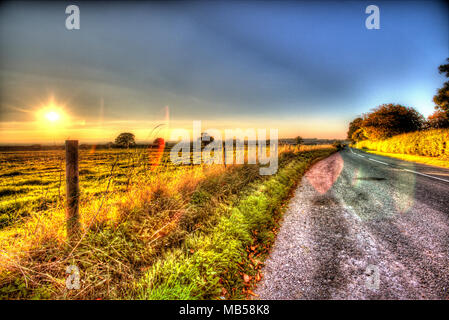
53 122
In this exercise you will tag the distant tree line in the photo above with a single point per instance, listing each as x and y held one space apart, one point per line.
391 119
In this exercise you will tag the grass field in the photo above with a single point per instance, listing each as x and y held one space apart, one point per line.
33 181
170 232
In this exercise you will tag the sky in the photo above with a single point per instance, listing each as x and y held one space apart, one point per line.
305 68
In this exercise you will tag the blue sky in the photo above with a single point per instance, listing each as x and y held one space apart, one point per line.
307 68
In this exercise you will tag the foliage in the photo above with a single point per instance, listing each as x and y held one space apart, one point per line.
439 119
125 140
388 120
359 135
299 140
339 145
354 127
431 143
441 99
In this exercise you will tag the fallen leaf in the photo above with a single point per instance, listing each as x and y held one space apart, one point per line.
246 278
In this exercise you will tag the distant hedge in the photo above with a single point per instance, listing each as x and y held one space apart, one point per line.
430 143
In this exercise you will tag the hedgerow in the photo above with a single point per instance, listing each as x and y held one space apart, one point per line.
430 143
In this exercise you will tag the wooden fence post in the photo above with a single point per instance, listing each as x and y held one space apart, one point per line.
73 188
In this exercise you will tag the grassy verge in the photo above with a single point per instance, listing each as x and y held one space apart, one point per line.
224 260
432 161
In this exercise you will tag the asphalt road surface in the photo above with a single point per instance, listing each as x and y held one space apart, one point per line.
362 226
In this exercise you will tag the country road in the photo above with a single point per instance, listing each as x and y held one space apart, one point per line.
363 226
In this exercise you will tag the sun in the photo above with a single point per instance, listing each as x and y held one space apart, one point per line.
52 116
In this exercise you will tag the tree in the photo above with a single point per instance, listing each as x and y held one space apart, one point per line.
338 144
439 119
299 140
359 135
355 125
125 140
391 119
441 99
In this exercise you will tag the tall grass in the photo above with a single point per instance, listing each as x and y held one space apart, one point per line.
430 143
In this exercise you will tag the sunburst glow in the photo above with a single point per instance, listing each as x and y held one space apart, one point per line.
52 113
52 116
